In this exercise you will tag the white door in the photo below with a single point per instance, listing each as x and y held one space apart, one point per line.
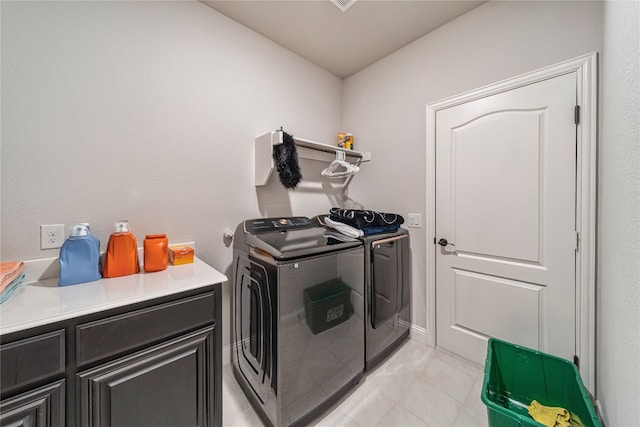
506 204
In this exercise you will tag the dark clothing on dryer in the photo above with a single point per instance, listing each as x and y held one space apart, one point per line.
363 219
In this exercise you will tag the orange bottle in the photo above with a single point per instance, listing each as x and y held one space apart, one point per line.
156 252
121 258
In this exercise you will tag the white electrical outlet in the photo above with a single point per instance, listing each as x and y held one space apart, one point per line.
415 220
51 236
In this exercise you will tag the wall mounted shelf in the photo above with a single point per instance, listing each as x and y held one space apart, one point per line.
307 149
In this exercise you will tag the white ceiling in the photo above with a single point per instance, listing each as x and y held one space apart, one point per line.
343 42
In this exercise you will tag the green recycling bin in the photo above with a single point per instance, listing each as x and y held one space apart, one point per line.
514 376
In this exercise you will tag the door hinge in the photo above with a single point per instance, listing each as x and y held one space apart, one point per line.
576 360
576 115
577 241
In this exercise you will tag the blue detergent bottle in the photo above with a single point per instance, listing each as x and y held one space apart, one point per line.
79 257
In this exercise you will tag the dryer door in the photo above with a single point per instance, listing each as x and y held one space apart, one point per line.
253 325
388 278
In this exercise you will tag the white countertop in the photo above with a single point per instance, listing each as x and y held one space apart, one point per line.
39 303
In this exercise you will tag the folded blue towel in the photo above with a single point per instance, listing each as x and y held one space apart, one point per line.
377 230
11 287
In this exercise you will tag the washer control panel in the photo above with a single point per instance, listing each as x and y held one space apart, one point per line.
261 225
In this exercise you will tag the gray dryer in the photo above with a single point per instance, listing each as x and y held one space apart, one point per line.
387 261
387 276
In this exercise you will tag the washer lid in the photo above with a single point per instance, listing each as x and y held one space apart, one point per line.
299 238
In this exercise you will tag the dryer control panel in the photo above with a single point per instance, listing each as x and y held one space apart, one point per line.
261 225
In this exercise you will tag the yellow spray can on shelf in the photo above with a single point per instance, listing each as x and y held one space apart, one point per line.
348 141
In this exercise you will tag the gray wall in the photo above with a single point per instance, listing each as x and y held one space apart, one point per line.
618 372
385 104
147 111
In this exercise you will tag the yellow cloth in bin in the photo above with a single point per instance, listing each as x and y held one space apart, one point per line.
549 416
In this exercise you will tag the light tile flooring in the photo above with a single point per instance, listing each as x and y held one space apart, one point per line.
416 386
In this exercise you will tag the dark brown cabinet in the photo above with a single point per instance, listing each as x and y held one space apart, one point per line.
170 384
156 363
26 364
41 407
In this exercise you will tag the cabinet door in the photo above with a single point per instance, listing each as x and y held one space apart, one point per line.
171 384
37 408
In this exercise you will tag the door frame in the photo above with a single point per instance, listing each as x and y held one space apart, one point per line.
585 67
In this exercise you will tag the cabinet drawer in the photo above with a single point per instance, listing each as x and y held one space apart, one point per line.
116 335
32 359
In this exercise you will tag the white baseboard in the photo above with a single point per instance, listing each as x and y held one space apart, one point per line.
419 334
226 354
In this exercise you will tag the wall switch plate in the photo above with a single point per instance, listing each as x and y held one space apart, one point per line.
51 236
415 220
